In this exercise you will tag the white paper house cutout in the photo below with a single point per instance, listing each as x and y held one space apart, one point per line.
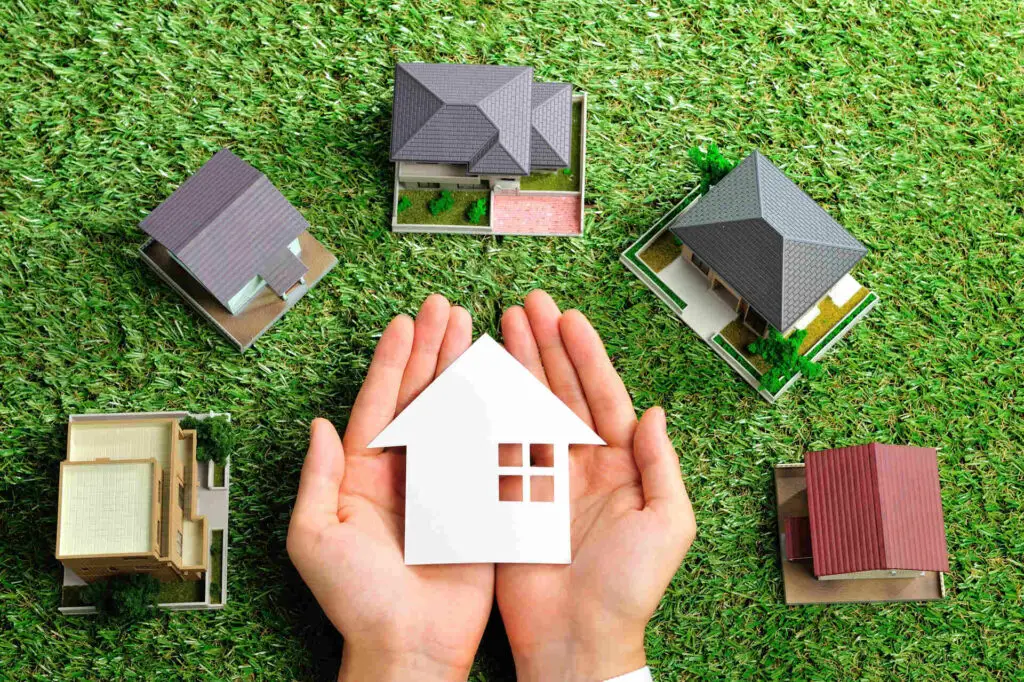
451 432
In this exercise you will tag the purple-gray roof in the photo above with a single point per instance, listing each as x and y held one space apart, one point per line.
493 119
771 242
227 224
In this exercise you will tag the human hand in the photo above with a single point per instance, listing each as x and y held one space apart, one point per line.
632 522
346 534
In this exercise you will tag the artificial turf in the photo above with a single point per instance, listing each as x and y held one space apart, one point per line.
905 120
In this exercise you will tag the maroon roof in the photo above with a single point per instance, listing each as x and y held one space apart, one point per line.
875 507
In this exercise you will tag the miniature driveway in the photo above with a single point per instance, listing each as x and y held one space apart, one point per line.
705 312
536 214
213 504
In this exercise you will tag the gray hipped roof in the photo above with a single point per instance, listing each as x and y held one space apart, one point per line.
493 119
228 224
771 242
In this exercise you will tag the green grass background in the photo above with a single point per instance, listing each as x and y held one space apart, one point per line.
904 119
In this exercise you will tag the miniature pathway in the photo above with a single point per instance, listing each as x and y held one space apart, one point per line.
705 312
211 503
533 214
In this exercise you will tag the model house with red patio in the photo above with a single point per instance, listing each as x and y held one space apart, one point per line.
486 149
862 523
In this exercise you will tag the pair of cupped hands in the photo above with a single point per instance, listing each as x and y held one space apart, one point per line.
632 522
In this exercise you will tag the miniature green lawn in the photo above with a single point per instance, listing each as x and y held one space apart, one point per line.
419 212
907 125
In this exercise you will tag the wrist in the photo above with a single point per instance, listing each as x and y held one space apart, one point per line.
381 665
582 660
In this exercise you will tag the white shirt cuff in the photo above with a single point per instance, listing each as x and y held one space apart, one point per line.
641 675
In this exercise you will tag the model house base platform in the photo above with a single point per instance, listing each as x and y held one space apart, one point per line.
241 329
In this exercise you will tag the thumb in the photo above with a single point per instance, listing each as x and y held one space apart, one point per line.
322 472
658 464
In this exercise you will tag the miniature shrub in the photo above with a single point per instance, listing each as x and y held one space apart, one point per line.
442 203
712 165
403 203
215 438
477 211
567 170
125 597
783 354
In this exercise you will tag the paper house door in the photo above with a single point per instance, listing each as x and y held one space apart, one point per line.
483 404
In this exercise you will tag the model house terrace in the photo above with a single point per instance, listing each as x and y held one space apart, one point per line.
487 134
128 501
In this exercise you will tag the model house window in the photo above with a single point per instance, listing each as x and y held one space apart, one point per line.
181 493
181 542
700 264
526 473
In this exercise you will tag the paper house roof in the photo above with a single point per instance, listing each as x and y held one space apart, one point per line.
227 224
875 507
488 392
768 240
493 119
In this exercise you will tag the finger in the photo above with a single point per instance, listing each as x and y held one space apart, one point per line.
658 464
376 404
431 323
320 481
520 342
543 315
457 338
610 404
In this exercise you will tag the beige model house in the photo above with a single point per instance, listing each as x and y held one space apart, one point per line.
128 501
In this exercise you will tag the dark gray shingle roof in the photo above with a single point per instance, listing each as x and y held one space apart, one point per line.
770 241
228 224
551 135
480 116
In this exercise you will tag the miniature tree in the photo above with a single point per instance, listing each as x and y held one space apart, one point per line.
215 438
477 211
712 165
125 597
403 203
442 203
783 354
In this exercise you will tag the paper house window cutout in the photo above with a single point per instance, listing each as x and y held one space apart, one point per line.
531 480
480 419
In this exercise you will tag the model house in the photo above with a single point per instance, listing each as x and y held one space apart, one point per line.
133 498
770 250
128 501
481 132
487 464
234 247
749 255
870 526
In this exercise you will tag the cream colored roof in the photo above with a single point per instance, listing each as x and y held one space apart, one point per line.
139 439
106 508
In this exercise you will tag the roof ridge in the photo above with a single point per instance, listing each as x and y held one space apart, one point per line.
846 247
877 489
424 125
528 71
548 103
234 200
